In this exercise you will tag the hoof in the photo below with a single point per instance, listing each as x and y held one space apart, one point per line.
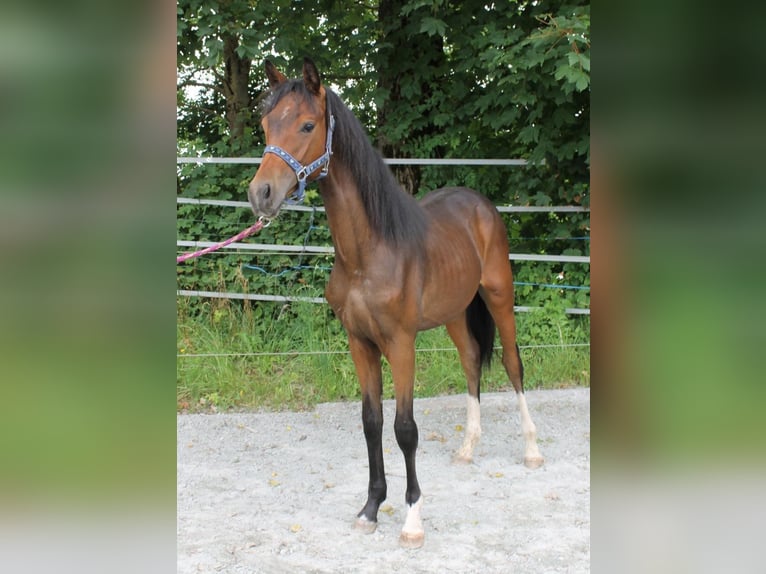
364 525
462 459
534 462
411 539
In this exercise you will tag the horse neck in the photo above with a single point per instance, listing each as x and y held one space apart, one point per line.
349 225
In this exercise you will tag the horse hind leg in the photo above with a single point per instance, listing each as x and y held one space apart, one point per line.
468 349
500 303
515 370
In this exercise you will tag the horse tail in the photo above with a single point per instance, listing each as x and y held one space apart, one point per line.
482 327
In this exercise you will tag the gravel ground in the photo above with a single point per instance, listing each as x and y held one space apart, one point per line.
279 492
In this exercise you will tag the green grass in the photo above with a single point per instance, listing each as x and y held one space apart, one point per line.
285 362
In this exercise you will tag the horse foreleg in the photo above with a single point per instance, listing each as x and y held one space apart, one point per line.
366 359
406 431
401 357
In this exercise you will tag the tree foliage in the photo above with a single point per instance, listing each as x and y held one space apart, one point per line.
428 78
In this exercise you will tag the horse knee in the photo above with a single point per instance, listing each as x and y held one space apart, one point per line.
406 432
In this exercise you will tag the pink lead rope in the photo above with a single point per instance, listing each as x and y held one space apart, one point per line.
255 228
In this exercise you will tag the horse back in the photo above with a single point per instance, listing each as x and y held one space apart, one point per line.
458 203
461 212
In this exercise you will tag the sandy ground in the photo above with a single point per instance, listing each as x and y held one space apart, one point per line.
278 492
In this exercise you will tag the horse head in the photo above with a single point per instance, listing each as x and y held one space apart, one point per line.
298 133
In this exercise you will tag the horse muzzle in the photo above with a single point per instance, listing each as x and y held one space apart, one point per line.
265 200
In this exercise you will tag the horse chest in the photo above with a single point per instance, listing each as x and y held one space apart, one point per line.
360 305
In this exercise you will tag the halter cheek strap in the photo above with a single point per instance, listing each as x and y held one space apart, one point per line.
303 171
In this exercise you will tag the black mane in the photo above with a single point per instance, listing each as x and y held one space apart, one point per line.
392 213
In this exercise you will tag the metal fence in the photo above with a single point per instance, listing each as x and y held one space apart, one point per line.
309 249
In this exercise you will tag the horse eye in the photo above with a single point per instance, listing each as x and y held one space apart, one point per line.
307 127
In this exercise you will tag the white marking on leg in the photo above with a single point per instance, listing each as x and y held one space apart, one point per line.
413 524
532 456
472 429
412 535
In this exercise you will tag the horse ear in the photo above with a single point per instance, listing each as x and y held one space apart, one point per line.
311 76
275 76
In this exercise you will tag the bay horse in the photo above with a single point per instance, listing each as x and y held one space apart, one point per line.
401 266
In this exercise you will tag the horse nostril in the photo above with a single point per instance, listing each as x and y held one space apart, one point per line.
266 191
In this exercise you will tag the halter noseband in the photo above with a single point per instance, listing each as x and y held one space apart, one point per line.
303 171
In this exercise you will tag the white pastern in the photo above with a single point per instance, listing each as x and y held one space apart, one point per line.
532 456
412 532
472 429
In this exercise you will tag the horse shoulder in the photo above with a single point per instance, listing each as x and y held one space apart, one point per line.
337 289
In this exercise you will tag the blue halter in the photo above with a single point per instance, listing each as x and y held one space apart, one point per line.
303 171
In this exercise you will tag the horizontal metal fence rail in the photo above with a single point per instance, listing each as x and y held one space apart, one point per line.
271 248
276 249
313 249
329 250
308 353
286 299
319 208
389 161
249 296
